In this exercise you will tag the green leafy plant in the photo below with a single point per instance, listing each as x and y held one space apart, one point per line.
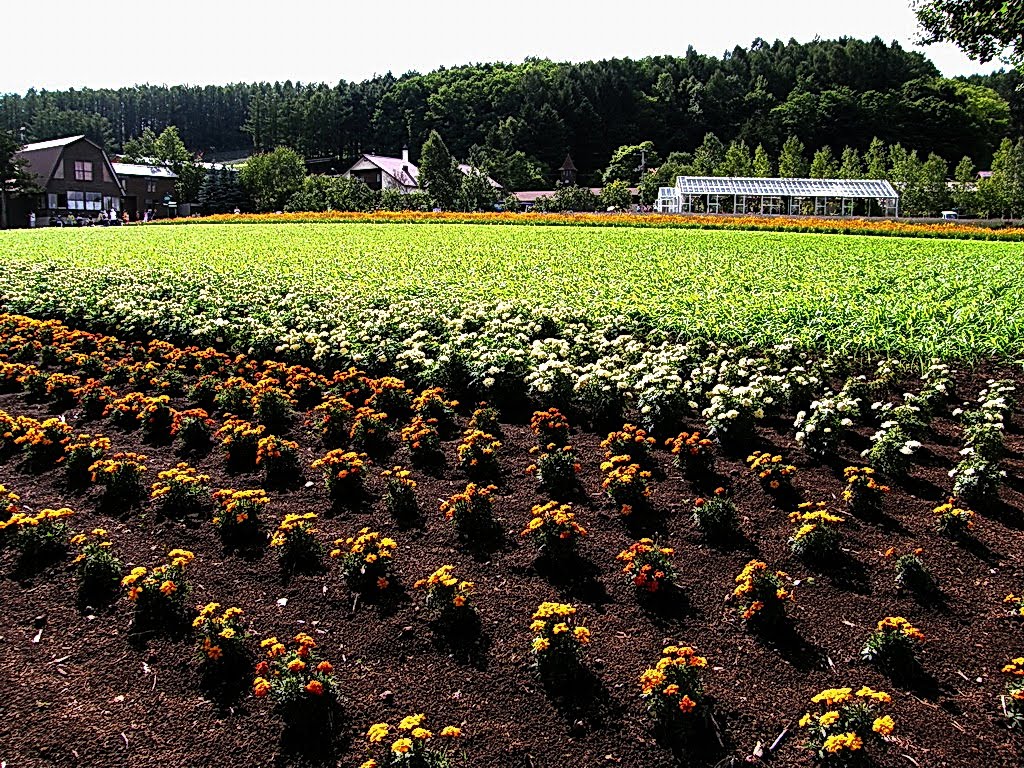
295 541
648 566
343 473
816 535
553 526
715 515
220 635
366 560
401 492
845 723
472 511
182 491
761 595
239 516
120 476
674 687
299 683
893 643
555 467
160 594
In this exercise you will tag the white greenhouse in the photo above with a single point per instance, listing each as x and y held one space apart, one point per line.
746 195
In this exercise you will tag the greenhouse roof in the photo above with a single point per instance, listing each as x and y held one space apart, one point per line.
735 185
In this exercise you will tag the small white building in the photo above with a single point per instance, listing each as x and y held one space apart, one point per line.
382 172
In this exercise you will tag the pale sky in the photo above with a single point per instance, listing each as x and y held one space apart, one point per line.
63 43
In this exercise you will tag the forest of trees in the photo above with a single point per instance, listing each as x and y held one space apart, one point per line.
524 117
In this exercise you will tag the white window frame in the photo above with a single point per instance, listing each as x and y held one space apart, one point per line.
94 201
83 170
76 200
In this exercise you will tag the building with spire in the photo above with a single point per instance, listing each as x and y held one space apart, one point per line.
567 173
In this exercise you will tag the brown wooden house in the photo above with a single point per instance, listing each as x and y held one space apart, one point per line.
147 188
76 177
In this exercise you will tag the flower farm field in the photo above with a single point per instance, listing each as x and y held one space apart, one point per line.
720 507
918 298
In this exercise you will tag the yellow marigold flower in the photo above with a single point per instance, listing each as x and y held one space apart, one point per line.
402 746
451 732
315 687
541 644
268 642
168 588
651 679
422 734
832 696
411 721
227 633
371 763
559 628
260 687
828 718
869 693
133 593
277 649
883 725
378 732
805 720
582 635
841 741
296 665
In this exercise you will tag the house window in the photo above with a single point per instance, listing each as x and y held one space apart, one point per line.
83 170
150 185
76 201
111 203
51 201
93 201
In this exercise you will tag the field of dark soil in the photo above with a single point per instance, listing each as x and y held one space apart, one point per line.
80 687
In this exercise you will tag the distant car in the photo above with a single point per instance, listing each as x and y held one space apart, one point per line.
950 215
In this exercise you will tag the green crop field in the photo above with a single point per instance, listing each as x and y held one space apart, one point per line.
259 285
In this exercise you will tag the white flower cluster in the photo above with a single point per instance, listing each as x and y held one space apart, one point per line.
819 428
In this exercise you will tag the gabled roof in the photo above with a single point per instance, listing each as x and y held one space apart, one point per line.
52 143
147 171
568 164
405 173
469 170
41 158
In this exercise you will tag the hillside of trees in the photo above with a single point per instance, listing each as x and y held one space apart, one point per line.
524 117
